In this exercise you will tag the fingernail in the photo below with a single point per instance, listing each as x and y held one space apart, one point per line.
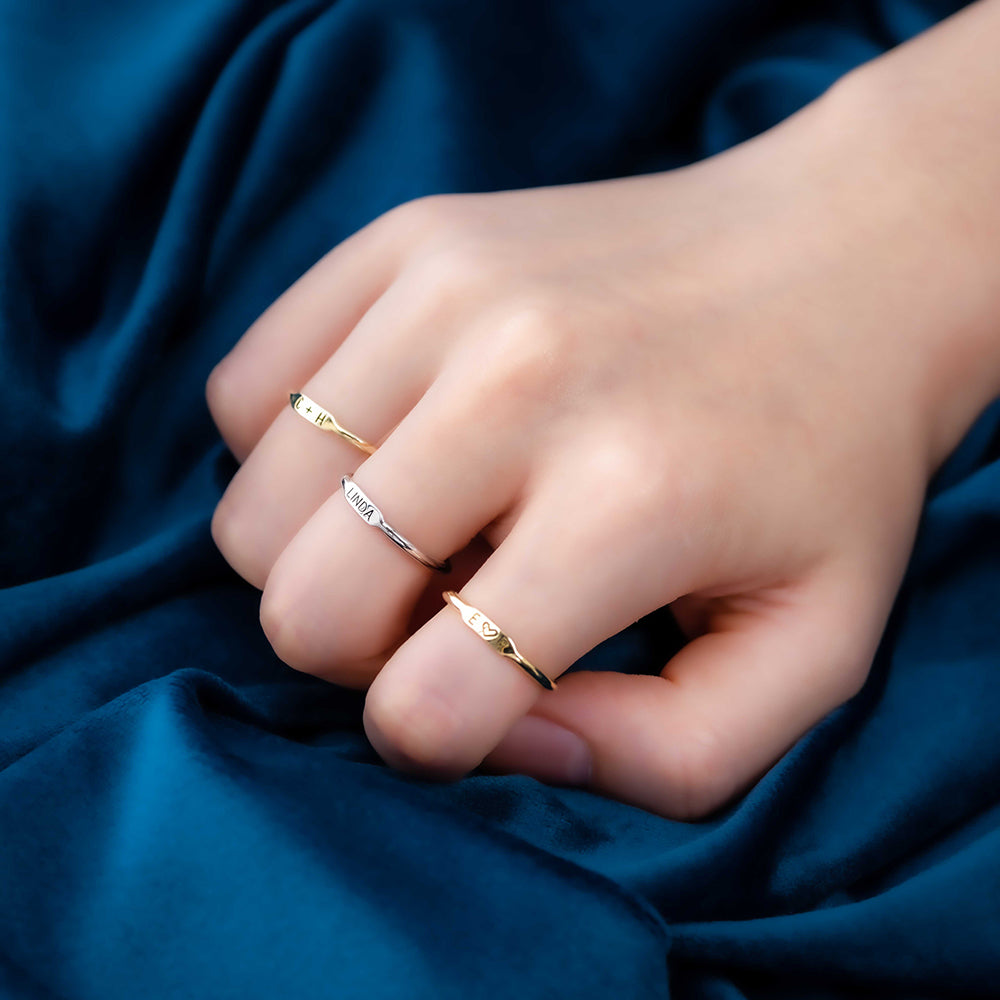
543 750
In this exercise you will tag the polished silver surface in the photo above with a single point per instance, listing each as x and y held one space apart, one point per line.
370 514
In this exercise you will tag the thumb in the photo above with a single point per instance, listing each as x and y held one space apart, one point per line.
723 710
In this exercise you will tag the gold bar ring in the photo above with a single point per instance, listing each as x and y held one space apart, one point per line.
325 421
494 636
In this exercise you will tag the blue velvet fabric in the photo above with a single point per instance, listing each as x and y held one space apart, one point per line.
183 816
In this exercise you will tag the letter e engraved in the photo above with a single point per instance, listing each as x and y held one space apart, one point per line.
481 624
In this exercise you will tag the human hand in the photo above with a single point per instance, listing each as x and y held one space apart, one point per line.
719 388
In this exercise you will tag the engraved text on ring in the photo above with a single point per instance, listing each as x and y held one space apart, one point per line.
364 508
483 625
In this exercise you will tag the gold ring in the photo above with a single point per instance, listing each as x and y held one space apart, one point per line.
325 421
494 636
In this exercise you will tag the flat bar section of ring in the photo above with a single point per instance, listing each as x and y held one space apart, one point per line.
325 421
370 514
491 633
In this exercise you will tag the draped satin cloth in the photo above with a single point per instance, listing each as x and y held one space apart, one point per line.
183 816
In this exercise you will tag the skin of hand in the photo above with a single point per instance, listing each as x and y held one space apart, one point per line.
722 388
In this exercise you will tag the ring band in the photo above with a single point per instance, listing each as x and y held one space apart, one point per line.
370 514
492 634
315 414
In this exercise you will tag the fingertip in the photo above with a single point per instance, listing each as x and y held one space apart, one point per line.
406 736
232 531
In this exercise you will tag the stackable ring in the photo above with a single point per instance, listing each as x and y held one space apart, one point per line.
494 636
370 514
325 421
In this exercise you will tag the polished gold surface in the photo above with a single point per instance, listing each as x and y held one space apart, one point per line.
493 635
324 420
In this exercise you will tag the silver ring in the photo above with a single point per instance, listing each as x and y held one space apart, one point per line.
370 514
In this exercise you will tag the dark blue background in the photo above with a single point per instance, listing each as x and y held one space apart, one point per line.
183 816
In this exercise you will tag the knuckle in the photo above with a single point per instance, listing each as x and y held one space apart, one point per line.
527 359
221 528
454 271
221 394
849 620
699 772
293 637
312 638
228 397
278 619
421 729
849 679
229 532
625 479
539 327
427 217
